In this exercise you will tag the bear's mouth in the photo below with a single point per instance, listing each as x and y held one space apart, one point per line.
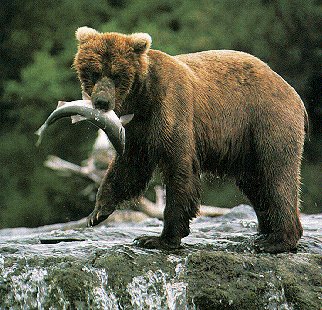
103 95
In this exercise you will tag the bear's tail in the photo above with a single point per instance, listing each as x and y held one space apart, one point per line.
307 124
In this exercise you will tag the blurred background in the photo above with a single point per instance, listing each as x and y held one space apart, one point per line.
37 47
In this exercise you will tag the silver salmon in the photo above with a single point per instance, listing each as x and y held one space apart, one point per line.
107 121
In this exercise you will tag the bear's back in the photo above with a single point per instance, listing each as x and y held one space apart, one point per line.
238 72
224 63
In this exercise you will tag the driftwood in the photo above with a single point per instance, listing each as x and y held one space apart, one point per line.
68 169
143 205
155 209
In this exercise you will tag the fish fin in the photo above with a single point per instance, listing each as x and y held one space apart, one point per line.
60 104
85 96
125 119
77 118
88 103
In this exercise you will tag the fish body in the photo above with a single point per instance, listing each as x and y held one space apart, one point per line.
81 103
107 121
86 101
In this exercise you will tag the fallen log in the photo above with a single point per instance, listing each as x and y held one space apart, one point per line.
148 207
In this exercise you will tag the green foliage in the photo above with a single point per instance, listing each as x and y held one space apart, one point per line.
311 188
221 192
36 52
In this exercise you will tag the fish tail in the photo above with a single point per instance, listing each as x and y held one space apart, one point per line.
38 141
40 133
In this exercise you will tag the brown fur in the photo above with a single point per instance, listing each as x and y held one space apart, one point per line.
215 111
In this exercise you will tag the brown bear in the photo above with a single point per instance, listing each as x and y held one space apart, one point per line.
217 111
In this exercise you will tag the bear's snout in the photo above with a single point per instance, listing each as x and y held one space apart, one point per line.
102 103
103 95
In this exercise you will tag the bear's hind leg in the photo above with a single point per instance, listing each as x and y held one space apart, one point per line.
273 181
250 185
276 205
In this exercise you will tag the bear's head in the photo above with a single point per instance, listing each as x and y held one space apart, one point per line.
110 64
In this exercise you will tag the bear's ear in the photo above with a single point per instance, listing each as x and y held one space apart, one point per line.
141 42
84 33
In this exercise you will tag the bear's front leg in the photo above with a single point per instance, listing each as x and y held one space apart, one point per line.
105 203
125 179
182 202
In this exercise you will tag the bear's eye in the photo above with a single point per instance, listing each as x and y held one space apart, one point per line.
95 76
116 77
85 77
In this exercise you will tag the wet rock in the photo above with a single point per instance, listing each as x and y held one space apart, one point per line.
100 268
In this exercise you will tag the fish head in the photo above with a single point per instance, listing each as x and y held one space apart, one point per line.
109 65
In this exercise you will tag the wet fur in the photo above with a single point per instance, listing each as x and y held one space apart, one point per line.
221 112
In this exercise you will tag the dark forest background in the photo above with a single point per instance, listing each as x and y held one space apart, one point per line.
37 47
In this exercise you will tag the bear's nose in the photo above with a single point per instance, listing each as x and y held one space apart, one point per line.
101 103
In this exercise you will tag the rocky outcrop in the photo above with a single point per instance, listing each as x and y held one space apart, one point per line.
99 268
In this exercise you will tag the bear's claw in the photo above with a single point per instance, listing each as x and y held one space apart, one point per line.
155 242
272 244
97 216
